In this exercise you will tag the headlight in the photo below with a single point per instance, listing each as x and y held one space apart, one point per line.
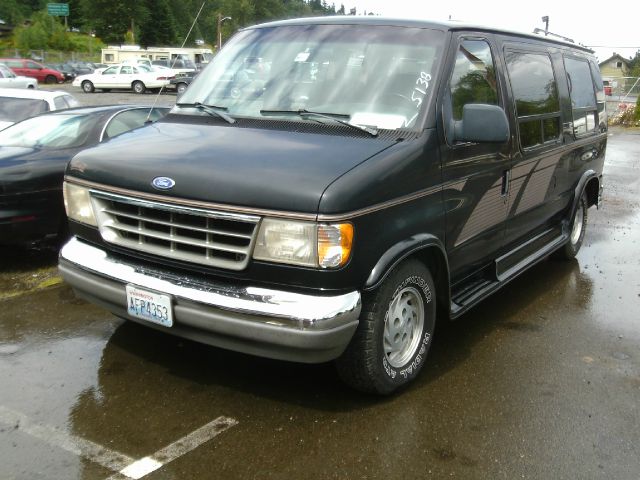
287 242
304 243
77 204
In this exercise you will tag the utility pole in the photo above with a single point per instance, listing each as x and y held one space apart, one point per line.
220 20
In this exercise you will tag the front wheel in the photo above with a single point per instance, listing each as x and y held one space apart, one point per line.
87 87
180 88
50 79
138 87
395 332
578 229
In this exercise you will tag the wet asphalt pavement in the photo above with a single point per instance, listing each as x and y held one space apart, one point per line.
540 381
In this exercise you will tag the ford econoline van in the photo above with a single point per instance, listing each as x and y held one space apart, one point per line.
331 189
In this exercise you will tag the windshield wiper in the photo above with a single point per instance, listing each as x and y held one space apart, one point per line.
211 110
336 117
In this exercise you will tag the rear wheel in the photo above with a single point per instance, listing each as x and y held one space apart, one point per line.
393 338
87 87
578 229
50 79
138 87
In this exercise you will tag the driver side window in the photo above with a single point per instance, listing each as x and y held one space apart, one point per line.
474 77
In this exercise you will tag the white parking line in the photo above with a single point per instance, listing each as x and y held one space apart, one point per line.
126 467
146 465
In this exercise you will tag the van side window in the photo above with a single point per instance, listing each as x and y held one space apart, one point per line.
474 77
536 96
583 97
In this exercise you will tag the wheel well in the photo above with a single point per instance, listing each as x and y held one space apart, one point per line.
434 260
592 190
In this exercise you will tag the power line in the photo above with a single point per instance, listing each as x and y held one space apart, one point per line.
611 46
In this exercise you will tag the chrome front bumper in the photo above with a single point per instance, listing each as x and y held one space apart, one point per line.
264 322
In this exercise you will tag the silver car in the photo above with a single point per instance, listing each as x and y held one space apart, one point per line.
8 79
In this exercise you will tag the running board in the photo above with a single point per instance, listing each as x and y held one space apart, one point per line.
508 267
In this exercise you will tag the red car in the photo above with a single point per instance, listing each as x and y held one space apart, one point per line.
30 68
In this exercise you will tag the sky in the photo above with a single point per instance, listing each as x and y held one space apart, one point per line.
612 25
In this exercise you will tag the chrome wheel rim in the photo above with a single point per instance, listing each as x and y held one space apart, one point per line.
576 230
403 326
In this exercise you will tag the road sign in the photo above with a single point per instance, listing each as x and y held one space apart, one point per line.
58 9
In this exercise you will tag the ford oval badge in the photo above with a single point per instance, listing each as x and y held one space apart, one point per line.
163 183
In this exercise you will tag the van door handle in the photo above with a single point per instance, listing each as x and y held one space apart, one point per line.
506 176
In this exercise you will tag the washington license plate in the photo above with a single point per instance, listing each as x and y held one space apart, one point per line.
150 306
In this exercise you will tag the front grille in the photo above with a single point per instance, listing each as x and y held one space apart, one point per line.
195 235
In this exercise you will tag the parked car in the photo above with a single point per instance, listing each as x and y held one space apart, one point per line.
163 73
180 83
16 105
33 69
127 77
331 189
34 154
8 79
180 65
68 73
80 68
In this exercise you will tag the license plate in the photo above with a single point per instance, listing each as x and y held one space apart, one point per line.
150 306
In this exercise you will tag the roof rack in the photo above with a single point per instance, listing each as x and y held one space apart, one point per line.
546 33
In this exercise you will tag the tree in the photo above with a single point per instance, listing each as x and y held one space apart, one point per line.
635 65
160 27
43 32
14 11
111 19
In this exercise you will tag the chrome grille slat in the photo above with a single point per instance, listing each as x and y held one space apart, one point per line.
179 239
214 238
179 225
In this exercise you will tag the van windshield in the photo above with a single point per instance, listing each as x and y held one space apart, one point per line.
369 75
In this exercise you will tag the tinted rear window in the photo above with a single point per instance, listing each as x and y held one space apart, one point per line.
16 109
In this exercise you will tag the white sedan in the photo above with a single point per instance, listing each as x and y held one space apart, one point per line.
8 79
128 77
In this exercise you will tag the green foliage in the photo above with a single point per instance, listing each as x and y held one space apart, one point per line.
160 28
44 32
14 11
81 42
635 65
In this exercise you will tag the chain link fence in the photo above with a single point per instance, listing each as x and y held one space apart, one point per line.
50 56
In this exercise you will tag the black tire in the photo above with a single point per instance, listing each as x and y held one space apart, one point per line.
369 363
31 87
50 79
87 87
181 87
578 228
138 87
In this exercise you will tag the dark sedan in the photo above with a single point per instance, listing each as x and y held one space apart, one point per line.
33 157
181 83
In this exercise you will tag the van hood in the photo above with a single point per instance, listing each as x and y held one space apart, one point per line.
251 167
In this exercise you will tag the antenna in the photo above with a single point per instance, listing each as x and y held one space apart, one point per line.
174 62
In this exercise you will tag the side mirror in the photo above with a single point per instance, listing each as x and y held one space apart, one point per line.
483 124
